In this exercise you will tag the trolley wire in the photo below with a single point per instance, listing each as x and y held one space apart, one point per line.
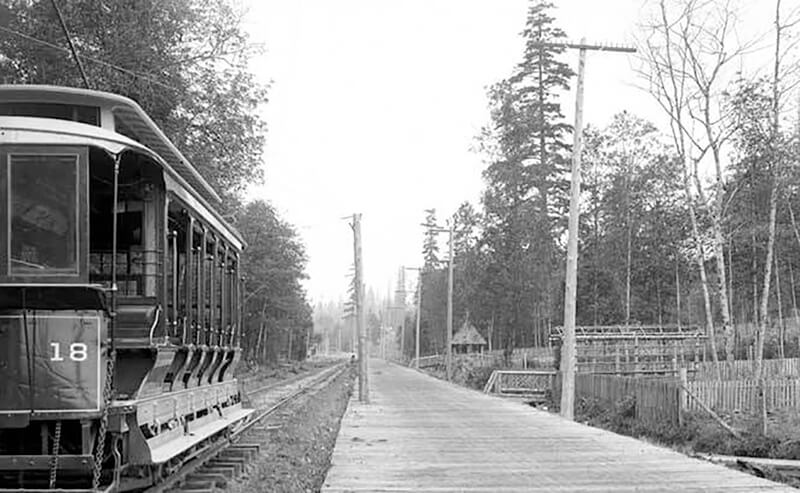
71 44
42 42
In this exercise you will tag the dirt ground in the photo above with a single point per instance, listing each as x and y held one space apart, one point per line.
297 456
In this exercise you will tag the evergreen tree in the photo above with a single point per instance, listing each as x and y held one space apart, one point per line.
537 133
430 247
527 154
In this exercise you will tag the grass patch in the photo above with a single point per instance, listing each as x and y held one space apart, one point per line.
699 433
466 373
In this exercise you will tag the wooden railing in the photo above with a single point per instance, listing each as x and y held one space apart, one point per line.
533 357
427 361
531 383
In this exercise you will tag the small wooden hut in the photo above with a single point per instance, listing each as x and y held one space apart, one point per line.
468 340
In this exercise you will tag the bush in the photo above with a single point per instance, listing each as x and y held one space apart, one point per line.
621 418
755 445
789 449
476 378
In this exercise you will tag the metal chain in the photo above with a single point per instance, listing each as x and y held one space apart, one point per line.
101 434
54 458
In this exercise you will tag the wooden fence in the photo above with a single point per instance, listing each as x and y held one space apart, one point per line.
533 357
657 399
427 361
660 400
729 396
745 369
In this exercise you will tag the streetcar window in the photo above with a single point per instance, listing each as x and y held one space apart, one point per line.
43 214
73 112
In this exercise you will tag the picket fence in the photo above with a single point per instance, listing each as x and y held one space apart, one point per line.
660 399
657 399
732 396
745 369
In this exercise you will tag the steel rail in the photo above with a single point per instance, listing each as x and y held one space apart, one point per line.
173 482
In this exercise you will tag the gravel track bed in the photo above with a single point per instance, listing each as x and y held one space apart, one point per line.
296 456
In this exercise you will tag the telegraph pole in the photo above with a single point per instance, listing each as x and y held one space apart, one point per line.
419 315
402 292
419 312
450 306
386 320
568 353
363 389
449 353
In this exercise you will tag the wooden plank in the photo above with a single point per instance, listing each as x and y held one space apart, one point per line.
420 434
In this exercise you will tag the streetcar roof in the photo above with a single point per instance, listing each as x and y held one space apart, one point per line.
119 114
36 130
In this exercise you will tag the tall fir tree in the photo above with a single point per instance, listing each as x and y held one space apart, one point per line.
527 150
430 247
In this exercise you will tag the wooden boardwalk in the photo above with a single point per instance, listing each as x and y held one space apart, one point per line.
420 434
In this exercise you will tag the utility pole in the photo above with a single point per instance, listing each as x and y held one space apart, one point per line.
386 320
419 315
419 312
363 389
568 352
449 351
450 306
402 308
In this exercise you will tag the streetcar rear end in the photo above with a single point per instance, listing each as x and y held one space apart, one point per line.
119 297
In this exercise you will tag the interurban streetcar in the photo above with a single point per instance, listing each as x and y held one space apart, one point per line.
120 297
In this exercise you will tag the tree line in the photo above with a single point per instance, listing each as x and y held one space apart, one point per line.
185 62
692 225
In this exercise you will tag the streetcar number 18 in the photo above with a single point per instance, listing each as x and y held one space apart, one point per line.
78 351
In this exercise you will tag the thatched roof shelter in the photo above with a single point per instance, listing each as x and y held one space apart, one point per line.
468 339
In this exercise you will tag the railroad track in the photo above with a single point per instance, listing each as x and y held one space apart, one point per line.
221 462
248 384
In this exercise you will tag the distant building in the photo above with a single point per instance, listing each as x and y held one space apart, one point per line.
468 340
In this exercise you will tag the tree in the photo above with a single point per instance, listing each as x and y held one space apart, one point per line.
633 236
764 152
430 247
278 315
687 55
184 61
533 129
527 153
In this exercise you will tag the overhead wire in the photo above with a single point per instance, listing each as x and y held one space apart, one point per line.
71 44
42 42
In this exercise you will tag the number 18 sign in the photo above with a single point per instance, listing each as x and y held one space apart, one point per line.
62 350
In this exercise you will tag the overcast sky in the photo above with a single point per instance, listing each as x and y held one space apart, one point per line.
375 104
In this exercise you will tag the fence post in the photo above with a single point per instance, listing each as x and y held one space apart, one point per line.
684 381
696 354
674 358
627 357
